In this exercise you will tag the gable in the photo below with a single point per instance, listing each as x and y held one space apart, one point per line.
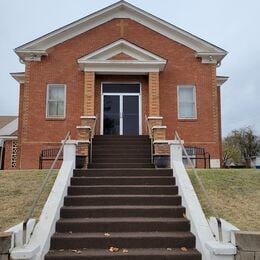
122 57
37 48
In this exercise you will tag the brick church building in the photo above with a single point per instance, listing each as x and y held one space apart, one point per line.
120 69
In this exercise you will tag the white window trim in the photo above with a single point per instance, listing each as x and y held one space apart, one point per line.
47 99
194 98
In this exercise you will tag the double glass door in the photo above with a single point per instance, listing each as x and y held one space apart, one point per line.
121 114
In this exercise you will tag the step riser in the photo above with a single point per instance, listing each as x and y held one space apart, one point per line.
74 190
109 213
72 201
136 242
121 160
122 156
121 165
122 152
123 227
122 181
127 257
122 142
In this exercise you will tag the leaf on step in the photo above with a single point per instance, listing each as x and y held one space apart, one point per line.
184 249
113 249
107 235
70 232
61 250
184 215
125 250
169 249
76 251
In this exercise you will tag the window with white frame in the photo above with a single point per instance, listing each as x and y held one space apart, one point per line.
187 102
56 101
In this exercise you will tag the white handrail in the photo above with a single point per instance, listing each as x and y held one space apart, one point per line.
209 202
150 132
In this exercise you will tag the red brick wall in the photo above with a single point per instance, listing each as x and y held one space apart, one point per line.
60 66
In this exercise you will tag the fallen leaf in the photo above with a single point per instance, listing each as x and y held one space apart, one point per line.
169 249
125 250
76 251
113 249
184 215
184 249
61 250
70 232
107 235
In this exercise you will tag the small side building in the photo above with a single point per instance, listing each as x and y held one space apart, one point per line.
8 142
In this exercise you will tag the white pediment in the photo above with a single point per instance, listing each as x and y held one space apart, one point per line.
141 62
120 9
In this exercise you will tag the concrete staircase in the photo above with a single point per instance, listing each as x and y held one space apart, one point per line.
122 208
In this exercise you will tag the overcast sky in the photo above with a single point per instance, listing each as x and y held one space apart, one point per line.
233 25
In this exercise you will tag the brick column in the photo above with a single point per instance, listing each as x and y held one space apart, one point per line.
89 93
154 101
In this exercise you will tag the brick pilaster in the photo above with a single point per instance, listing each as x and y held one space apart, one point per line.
89 93
154 101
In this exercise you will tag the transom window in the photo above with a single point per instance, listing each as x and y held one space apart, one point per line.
56 101
187 102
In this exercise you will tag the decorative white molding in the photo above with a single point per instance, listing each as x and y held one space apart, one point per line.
160 142
221 80
120 9
31 55
83 127
159 127
154 117
143 61
19 77
209 57
88 117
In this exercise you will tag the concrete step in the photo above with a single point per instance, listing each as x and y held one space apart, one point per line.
123 180
118 159
123 240
121 211
107 225
132 254
123 189
125 172
98 200
121 165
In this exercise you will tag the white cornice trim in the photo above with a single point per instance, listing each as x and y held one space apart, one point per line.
19 77
210 57
120 9
221 80
31 55
154 117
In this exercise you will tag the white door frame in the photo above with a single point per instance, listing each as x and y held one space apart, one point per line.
121 105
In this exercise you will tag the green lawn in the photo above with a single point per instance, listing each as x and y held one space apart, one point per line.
235 194
17 191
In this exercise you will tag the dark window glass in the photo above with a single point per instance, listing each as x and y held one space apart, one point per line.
121 88
111 115
130 115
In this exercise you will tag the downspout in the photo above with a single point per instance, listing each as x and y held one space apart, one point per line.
1 152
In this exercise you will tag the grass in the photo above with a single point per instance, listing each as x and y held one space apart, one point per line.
235 194
17 191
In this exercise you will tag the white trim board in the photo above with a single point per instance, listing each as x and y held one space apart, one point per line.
10 128
121 9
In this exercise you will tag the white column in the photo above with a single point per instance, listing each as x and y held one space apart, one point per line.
69 152
175 151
